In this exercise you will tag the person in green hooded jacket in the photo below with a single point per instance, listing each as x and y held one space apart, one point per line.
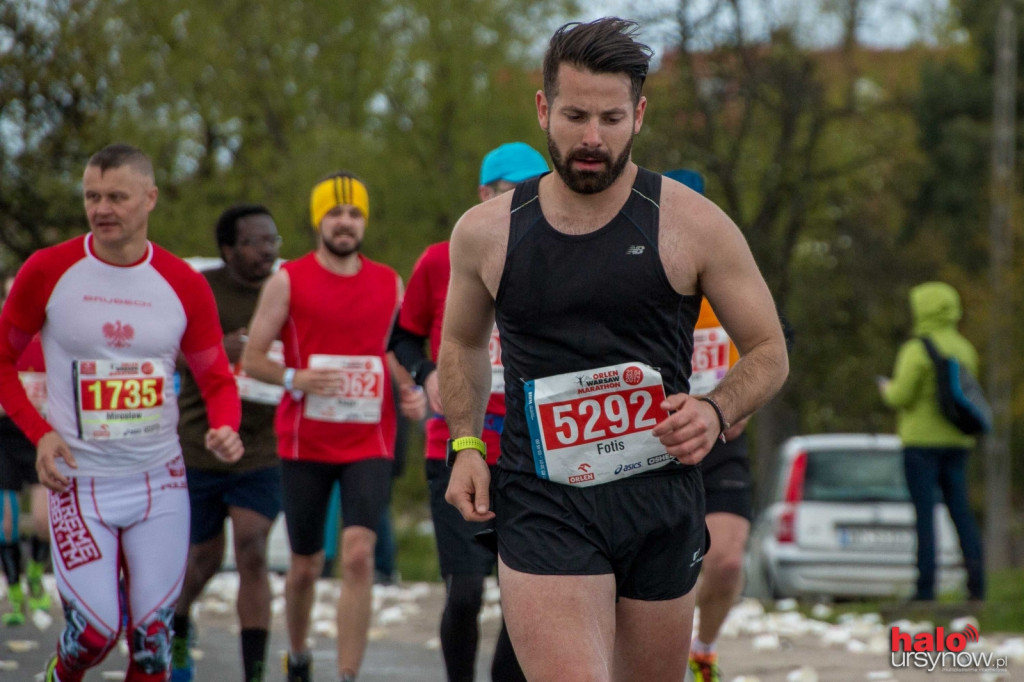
934 450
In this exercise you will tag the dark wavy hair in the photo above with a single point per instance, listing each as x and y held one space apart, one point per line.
605 45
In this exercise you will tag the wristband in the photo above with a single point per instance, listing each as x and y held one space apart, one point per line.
723 425
455 445
288 380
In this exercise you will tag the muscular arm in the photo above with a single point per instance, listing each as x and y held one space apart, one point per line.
267 322
723 269
464 369
464 366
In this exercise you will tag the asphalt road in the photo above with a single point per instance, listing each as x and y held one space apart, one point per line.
779 645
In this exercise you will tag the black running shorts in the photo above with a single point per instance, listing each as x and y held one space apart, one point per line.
648 531
17 457
306 488
727 481
458 550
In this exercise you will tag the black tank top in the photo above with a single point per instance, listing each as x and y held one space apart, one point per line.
569 303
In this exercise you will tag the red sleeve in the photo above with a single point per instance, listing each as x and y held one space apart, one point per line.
12 394
23 315
217 385
417 314
202 343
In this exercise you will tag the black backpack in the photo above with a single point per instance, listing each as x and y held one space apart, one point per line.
961 399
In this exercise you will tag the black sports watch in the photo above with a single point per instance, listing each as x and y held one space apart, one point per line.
456 445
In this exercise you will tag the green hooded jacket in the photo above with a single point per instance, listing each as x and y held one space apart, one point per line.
913 392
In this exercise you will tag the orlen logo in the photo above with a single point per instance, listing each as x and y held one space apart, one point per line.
585 476
633 375
147 367
942 650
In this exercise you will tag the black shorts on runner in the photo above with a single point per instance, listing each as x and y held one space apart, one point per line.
728 485
212 493
17 457
648 531
458 550
365 490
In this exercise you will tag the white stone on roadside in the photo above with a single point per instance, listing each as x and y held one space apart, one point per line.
112 675
746 678
433 644
492 593
41 619
489 613
879 644
879 675
804 674
855 646
391 615
323 611
8 666
821 610
1012 648
958 624
767 642
122 646
20 646
786 605
325 627
836 635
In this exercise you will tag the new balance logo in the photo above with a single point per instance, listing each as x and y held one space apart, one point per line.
635 250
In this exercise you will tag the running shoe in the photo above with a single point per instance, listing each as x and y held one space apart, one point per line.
298 671
16 598
38 599
182 665
705 668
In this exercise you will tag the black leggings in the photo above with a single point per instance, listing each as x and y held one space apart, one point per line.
460 634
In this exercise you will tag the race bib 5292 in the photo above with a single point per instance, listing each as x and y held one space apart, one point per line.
595 426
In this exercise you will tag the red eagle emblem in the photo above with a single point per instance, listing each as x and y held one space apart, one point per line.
118 335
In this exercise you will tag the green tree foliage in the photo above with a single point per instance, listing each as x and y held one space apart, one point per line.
811 152
238 101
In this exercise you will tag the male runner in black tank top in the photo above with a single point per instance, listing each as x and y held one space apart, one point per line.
595 285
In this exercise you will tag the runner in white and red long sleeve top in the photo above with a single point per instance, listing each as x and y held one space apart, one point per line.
114 310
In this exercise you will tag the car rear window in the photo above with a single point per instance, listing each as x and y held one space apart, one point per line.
855 476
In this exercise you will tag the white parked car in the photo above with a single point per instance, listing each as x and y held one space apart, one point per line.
840 524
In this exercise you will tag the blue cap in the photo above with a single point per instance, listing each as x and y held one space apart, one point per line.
690 178
512 162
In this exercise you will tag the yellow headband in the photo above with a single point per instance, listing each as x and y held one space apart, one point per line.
337 191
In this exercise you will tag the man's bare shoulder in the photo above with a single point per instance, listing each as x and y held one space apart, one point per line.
692 231
480 239
688 212
486 222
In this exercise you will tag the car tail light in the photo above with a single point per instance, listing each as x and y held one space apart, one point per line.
795 487
785 527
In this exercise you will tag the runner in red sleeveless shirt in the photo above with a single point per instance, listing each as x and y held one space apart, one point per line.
465 562
333 310
114 310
